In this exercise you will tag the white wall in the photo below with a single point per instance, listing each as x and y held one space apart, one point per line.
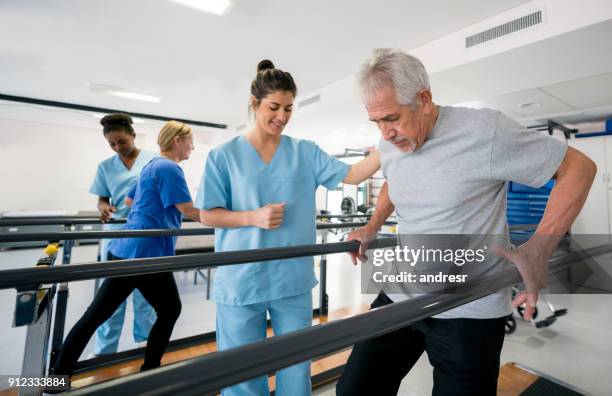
50 166
46 166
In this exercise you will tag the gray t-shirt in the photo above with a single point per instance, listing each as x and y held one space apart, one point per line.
456 182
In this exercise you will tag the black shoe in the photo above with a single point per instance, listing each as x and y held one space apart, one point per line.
145 368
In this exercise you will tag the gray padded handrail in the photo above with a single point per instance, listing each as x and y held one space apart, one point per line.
105 234
112 234
31 277
83 220
207 374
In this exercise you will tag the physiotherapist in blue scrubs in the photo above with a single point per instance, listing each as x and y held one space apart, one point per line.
114 179
258 190
160 198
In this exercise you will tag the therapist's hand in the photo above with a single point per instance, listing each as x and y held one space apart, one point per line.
365 235
268 217
106 212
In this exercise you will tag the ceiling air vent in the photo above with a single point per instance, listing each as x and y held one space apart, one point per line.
311 100
502 30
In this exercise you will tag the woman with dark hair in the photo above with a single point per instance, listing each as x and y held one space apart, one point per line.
258 190
160 199
114 178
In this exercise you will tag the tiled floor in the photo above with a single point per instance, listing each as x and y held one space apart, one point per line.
577 349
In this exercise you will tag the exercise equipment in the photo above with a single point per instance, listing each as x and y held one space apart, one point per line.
347 206
538 324
233 366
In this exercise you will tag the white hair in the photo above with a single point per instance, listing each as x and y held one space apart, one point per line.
391 67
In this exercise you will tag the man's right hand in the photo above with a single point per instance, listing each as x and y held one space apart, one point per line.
365 235
106 212
268 217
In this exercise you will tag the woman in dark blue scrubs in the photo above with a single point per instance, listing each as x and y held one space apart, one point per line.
159 198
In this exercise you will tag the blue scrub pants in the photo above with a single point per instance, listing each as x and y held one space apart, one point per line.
107 335
243 324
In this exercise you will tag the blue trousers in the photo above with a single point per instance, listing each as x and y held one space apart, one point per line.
243 324
107 335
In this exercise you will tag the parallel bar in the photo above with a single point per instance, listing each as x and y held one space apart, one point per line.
28 277
107 234
95 220
36 221
110 234
206 375
138 353
326 226
351 216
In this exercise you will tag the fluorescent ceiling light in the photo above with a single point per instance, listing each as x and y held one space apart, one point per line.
217 7
526 105
134 96
122 93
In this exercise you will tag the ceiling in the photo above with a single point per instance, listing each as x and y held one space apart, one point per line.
199 64
569 76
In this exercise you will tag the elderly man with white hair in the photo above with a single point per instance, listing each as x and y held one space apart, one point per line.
446 171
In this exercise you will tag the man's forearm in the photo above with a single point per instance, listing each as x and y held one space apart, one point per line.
384 208
573 182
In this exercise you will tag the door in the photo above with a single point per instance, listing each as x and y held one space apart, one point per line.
594 217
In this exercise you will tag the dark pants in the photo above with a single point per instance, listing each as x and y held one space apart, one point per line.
463 352
158 289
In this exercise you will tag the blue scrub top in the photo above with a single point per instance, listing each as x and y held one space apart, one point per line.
160 187
114 180
236 178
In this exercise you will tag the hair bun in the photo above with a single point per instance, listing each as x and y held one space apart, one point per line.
265 65
116 119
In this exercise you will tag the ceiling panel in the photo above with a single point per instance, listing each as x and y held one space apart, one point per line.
574 55
585 92
199 64
543 103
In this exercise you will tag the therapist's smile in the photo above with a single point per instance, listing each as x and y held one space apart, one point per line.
278 124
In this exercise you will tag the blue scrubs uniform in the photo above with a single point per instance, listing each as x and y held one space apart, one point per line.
236 178
114 180
161 186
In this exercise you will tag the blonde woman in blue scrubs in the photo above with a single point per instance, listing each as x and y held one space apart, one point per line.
114 179
258 190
